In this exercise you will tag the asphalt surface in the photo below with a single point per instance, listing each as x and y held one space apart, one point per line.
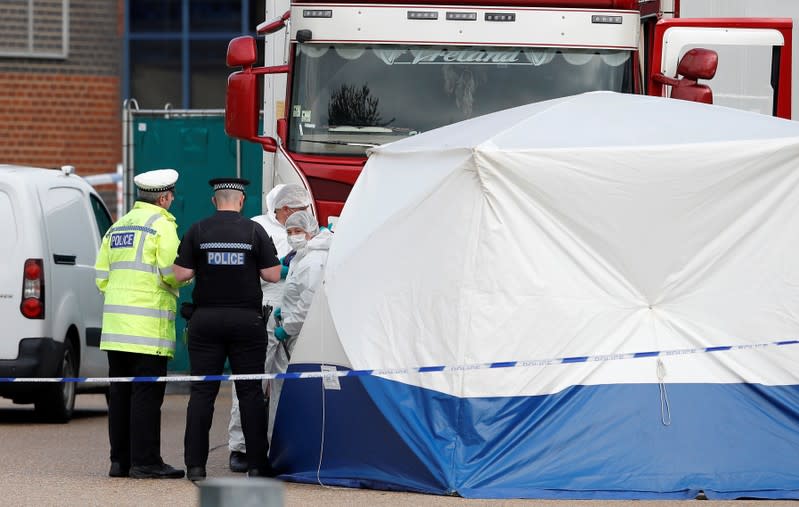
66 465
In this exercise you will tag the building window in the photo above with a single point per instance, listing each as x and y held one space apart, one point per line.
34 28
176 49
215 16
155 16
155 72
208 74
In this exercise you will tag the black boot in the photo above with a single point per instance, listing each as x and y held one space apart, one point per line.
157 471
118 470
195 473
238 462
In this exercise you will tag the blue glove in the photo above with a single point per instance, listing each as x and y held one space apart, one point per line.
276 312
329 227
281 334
284 272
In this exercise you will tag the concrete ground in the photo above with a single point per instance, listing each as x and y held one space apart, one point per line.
66 465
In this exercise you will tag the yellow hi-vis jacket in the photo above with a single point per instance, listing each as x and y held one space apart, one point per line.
134 272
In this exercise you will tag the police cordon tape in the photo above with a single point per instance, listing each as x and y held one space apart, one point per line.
327 373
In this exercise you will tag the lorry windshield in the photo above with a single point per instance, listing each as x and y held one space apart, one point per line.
347 98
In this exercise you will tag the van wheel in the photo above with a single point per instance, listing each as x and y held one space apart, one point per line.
57 402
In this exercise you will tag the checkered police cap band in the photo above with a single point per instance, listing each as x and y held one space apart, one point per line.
229 186
158 189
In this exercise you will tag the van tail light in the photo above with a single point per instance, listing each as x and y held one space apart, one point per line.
32 305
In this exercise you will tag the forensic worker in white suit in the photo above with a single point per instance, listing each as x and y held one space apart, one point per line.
304 278
291 198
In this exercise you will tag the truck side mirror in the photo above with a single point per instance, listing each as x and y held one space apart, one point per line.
242 52
242 106
696 64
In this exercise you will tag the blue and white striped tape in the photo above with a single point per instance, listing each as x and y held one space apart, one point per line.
421 369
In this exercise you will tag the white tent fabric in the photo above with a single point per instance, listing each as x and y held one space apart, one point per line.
596 224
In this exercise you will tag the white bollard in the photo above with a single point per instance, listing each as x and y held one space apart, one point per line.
241 492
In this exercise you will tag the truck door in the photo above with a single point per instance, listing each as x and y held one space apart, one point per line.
754 60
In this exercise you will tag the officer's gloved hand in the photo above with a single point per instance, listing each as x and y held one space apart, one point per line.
284 272
281 334
276 312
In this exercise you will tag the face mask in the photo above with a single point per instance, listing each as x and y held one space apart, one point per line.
297 241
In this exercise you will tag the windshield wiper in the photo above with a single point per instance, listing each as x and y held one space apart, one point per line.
377 129
342 143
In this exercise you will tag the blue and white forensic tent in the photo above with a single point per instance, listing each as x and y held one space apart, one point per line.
607 229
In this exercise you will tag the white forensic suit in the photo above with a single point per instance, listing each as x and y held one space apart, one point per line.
305 276
273 295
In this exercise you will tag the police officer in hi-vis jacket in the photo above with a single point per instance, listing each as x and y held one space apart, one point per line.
228 255
134 272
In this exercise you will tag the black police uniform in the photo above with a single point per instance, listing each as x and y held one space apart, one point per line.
226 252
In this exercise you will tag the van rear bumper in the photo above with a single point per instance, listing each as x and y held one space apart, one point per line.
37 357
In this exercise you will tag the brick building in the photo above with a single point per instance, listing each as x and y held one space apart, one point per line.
67 65
60 83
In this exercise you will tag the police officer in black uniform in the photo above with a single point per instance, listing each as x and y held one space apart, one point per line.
227 254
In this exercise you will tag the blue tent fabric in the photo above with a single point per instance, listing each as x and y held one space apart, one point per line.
357 461
597 442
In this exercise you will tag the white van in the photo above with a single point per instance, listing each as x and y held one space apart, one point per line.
51 224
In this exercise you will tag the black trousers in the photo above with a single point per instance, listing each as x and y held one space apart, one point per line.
134 408
217 334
